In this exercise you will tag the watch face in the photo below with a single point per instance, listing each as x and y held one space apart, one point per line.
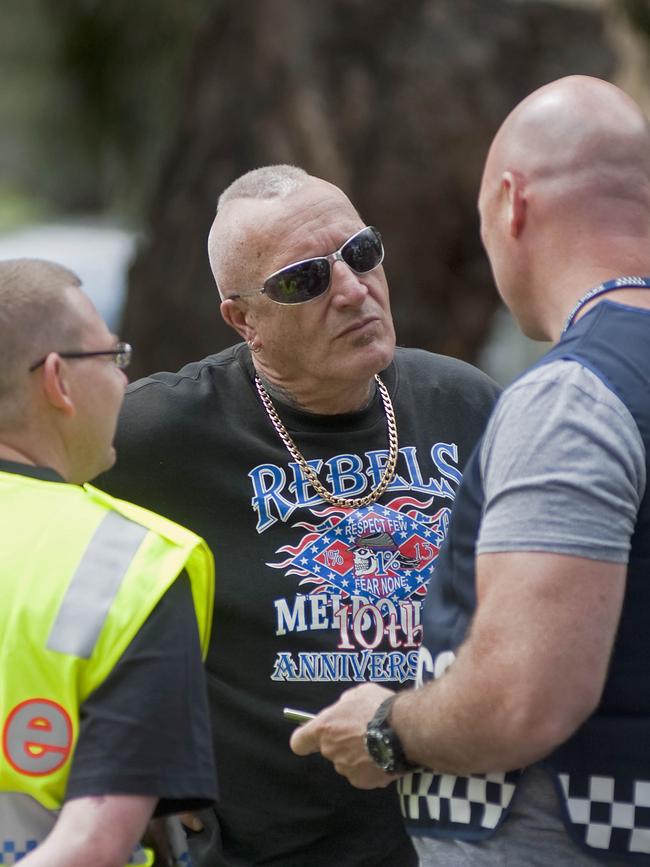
380 749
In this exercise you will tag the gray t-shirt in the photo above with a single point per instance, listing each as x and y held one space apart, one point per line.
563 469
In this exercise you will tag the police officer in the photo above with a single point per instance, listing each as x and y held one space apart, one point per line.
103 603
535 624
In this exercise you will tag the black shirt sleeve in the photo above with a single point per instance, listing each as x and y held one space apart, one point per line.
146 729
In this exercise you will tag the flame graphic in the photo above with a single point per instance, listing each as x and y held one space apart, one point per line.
298 549
294 571
321 585
400 502
324 526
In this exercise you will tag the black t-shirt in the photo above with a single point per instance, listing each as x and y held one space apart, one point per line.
145 730
310 599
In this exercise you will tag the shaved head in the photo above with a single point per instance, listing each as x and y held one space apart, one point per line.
325 354
225 242
251 214
582 134
36 315
565 196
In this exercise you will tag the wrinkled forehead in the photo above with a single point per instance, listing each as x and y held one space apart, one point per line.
315 207
252 238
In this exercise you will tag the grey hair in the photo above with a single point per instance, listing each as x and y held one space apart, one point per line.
267 182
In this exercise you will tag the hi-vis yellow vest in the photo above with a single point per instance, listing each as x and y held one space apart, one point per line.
80 572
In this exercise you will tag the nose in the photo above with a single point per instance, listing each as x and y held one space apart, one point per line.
347 289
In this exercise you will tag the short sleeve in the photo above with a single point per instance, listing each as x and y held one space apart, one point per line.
146 729
563 467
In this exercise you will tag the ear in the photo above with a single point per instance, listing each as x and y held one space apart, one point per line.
238 318
512 184
56 385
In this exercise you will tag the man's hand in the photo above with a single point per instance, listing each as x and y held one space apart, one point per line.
191 821
337 733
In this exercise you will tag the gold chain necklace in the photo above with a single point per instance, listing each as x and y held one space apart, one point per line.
346 502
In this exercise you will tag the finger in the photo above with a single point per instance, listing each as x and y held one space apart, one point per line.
304 740
191 821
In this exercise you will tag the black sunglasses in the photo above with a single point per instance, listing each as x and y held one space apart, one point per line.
121 355
308 279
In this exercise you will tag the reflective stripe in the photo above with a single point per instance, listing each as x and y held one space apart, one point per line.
24 823
177 841
141 857
11 852
95 584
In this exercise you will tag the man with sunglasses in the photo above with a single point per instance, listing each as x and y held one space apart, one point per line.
536 641
100 603
321 465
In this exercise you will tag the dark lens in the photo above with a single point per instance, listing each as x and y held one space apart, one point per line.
300 282
364 251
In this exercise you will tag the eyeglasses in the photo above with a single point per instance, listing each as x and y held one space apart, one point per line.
308 279
121 355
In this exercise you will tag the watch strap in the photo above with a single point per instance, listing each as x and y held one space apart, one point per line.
393 759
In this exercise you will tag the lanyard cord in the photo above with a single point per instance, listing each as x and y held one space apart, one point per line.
609 286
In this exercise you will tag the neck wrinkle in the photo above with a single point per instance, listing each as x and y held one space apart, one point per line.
335 406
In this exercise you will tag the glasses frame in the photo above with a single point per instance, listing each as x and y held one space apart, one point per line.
121 355
330 258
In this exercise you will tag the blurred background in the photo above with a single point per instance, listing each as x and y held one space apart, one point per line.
121 122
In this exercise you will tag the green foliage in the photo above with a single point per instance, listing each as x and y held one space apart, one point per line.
17 208
90 98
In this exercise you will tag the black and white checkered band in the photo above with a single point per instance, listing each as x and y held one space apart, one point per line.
12 852
609 813
478 802
606 814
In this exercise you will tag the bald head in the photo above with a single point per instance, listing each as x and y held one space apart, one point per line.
36 315
583 137
254 217
565 197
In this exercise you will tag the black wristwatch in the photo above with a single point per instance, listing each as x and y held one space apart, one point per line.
382 743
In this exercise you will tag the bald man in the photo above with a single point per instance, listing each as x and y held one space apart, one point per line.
537 613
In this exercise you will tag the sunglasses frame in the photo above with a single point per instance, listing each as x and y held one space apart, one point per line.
330 258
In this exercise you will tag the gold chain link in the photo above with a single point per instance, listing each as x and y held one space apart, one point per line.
345 502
